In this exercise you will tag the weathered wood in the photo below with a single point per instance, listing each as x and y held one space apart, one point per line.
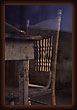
23 82
54 59
26 82
35 92
22 37
19 50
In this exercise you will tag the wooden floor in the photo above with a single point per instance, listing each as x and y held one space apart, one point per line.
33 91
63 97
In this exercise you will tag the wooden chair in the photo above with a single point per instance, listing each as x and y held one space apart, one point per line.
45 58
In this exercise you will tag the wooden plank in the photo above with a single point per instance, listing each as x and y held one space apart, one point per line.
19 50
20 37
35 92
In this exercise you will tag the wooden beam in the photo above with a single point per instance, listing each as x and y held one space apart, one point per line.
26 81
23 82
9 36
